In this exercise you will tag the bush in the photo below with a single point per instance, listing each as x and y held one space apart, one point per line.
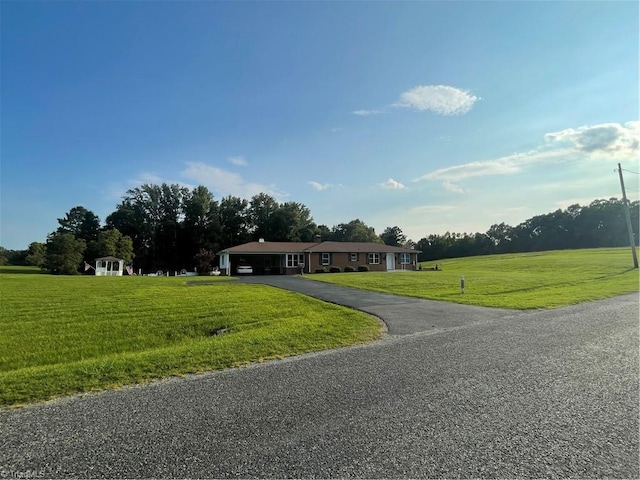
349 268
335 269
321 270
363 268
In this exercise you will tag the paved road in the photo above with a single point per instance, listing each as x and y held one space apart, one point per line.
537 394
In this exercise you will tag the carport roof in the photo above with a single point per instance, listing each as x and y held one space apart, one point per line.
311 247
269 247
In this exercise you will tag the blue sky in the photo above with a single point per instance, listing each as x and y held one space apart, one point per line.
432 116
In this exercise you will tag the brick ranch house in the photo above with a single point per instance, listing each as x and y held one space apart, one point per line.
306 257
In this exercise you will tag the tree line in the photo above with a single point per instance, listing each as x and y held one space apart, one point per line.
170 227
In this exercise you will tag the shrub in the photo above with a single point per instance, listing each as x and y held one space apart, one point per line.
335 269
321 270
349 268
363 268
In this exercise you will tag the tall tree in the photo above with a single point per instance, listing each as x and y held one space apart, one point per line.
129 219
354 231
81 223
234 221
261 210
292 222
159 208
201 223
393 236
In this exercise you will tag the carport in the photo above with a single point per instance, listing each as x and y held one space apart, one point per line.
265 258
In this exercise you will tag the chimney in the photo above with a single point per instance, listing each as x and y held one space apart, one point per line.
317 238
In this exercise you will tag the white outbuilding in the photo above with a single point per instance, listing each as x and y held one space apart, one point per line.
109 266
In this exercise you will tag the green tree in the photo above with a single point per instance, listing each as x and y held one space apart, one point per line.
157 211
64 253
292 222
111 243
393 236
201 228
81 223
234 221
354 231
261 210
36 254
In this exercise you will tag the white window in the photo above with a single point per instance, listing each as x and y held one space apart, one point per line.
295 259
374 258
325 258
405 258
353 257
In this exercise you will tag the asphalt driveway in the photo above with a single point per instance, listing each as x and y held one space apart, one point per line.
401 315
542 394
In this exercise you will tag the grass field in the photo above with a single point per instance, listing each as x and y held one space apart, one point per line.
63 335
519 281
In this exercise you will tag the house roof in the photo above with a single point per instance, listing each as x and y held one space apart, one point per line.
110 259
269 247
357 247
312 247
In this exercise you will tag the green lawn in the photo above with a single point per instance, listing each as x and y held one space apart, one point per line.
63 335
519 281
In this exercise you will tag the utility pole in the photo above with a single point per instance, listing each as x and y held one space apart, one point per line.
628 218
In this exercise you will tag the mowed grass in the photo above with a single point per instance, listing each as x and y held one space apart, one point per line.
64 335
517 281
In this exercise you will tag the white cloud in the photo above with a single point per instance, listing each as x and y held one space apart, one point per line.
224 182
507 165
367 113
392 184
612 140
319 186
238 161
441 99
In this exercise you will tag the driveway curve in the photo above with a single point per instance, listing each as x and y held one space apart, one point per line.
401 315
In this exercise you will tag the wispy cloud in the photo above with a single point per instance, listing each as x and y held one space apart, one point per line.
238 161
440 99
367 113
611 141
392 184
452 187
224 182
319 186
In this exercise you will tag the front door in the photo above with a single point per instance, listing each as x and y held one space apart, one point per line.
391 261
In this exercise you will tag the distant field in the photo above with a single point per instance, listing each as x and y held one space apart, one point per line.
63 335
519 281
